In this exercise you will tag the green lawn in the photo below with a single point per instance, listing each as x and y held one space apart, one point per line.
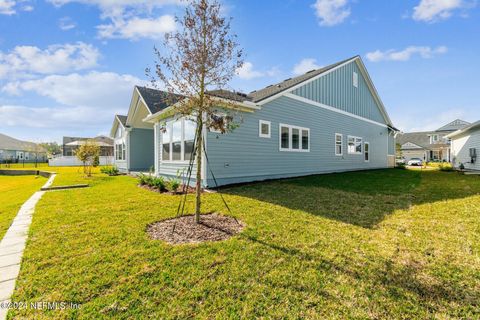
14 191
395 244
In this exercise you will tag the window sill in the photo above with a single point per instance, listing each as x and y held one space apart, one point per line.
293 150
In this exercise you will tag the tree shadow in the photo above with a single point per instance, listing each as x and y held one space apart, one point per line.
399 279
360 198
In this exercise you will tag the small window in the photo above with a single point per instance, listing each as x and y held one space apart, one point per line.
338 144
355 80
355 145
294 138
285 138
367 152
264 129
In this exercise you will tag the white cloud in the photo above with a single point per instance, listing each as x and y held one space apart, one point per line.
7 7
66 23
83 105
405 54
130 19
434 10
10 7
248 72
135 28
305 65
102 90
331 12
26 60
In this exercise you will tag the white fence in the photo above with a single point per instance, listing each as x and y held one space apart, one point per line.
74 162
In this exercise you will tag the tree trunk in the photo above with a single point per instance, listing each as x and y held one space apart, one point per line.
198 180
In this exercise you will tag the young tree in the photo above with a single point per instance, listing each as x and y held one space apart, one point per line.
87 153
202 55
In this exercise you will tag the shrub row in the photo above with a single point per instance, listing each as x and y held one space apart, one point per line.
159 183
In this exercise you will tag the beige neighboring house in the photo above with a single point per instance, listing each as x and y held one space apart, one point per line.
429 145
465 146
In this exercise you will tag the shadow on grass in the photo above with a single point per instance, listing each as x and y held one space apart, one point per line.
360 198
399 279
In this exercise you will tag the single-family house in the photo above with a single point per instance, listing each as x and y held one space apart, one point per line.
429 145
71 144
465 146
17 151
134 147
327 120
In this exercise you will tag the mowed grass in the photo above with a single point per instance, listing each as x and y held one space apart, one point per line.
388 244
14 191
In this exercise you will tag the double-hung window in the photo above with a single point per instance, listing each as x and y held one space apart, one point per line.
338 144
293 138
355 145
178 140
120 151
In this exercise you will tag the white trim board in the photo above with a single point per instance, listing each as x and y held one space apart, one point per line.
324 106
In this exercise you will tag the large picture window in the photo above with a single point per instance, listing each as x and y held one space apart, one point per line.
178 140
120 152
355 145
293 138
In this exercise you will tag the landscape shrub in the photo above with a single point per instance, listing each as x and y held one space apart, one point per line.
111 171
401 166
446 167
173 185
153 182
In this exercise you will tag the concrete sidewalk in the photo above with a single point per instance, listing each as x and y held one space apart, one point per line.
13 245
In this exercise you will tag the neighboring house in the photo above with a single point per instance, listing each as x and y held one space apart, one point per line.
327 120
17 151
70 146
430 145
134 138
465 145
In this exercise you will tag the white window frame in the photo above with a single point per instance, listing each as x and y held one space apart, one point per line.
262 135
341 144
290 128
182 142
355 142
355 79
366 143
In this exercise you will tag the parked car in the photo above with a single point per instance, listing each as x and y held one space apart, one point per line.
400 160
415 162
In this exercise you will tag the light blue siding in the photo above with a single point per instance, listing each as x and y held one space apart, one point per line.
243 156
336 90
141 149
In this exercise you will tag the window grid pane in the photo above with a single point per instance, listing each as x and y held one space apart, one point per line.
295 139
305 139
285 138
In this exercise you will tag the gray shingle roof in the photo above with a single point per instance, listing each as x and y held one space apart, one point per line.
454 125
9 143
271 90
230 95
122 119
157 100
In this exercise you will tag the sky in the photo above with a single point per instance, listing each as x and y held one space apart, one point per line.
67 66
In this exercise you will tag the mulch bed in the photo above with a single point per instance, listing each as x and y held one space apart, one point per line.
212 227
180 190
